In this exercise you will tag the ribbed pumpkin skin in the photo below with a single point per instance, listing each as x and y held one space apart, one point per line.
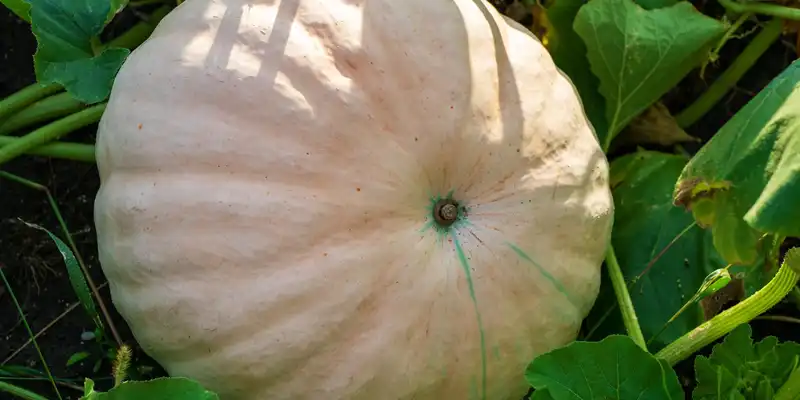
268 169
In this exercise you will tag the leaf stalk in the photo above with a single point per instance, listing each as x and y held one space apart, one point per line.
726 81
624 299
63 150
51 132
47 109
754 7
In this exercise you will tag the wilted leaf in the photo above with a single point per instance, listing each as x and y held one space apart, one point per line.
654 126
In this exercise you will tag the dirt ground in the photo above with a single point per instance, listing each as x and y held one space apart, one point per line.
37 273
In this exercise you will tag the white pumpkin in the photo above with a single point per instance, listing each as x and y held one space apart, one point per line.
349 199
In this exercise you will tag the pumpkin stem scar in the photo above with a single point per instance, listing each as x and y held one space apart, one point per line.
468 273
544 272
445 212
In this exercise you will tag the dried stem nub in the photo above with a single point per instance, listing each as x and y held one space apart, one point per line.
445 212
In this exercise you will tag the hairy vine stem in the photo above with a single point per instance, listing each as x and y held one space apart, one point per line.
773 292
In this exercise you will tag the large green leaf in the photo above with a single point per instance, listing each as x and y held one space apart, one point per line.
740 369
68 51
639 54
569 54
612 369
19 7
746 180
646 222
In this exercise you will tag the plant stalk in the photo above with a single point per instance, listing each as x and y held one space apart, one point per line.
773 292
791 388
55 106
137 34
725 82
64 150
762 8
25 97
51 132
624 299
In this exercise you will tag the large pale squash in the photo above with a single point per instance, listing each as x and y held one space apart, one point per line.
349 199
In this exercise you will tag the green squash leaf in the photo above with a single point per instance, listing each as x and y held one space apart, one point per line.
639 54
569 54
646 222
744 182
68 50
173 388
614 368
740 369
19 7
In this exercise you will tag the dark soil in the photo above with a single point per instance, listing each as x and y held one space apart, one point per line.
37 274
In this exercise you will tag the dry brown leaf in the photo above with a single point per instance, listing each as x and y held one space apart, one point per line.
654 126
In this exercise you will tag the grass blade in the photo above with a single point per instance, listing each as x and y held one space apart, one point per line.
19 392
76 277
30 333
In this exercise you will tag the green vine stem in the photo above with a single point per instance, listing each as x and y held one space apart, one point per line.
732 74
19 392
137 34
25 97
50 108
773 292
51 132
791 388
624 298
64 150
762 8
